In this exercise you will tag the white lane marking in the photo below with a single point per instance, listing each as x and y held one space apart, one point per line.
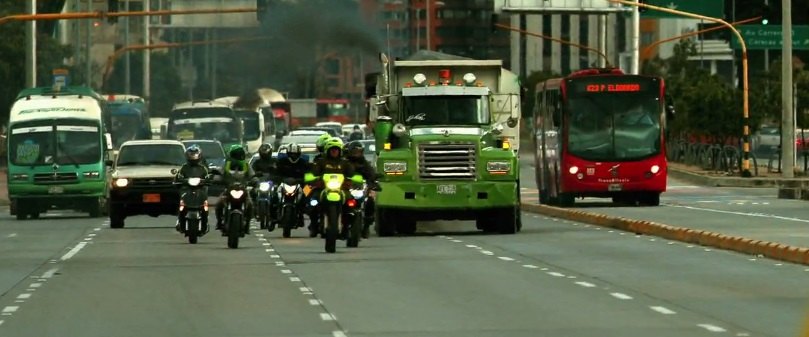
773 216
543 269
663 310
19 301
653 240
586 284
286 271
313 301
269 250
275 256
472 246
11 235
708 249
265 244
280 264
24 296
456 241
448 237
530 266
48 274
779 264
1 322
557 274
711 328
88 239
74 251
35 285
505 258
671 242
338 334
294 279
262 239
259 235
751 259
571 277
327 317
97 229
621 296
10 309
305 289
91 234
486 252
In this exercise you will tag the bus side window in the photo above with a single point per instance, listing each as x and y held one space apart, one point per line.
555 108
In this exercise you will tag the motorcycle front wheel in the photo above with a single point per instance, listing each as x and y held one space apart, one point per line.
332 228
234 227
192 231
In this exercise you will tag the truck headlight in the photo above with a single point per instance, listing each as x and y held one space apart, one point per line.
394 167
498 167
121 182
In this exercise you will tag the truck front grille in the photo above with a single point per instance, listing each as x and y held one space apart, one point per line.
56 178
447 160
153 182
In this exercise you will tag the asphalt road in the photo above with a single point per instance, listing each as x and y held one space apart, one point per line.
77 277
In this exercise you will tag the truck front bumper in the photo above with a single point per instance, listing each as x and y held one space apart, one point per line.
449 195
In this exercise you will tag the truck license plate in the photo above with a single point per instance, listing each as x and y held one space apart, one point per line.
56 190
151 198
615 187
446 189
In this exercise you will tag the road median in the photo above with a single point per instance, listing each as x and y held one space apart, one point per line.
773 250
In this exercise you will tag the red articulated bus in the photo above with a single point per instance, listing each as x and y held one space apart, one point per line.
333 110
601 133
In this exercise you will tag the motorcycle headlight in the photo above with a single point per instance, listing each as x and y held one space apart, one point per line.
357 194
122 182
289 189
194 181
264 186
236 194
333 184
313 202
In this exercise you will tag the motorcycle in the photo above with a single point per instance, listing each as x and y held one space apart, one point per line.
193 213
289 196
331 202
356 214
263 204
235 221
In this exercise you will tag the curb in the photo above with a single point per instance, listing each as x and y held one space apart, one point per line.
772 250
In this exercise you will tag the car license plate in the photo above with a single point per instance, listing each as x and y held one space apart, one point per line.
151 197
56 190
446 189
615 187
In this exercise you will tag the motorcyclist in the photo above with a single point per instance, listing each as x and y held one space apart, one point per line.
314 215
332 162
193 168
354 153
321 141
292 164
264 168
235 170
356 134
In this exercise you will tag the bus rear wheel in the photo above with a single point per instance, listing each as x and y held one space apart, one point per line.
649 199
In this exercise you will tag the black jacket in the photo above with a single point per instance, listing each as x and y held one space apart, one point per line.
192 171
363 167
266 167
296 170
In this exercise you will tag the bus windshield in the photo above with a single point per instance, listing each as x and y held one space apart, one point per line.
251 128
445 110
614 126
126 127
61 142
214 124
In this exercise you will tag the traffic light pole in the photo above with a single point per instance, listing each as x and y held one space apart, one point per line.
648 49
745 170
787 122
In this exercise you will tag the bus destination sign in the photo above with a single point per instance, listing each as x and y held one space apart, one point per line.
623 87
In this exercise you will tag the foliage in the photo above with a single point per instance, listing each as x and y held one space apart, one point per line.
165 83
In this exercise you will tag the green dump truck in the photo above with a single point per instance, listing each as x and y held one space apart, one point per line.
447 136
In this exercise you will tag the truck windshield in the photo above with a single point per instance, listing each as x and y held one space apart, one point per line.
61 142
251 128
445 110
614 127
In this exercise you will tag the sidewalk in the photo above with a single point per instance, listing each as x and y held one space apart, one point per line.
788 188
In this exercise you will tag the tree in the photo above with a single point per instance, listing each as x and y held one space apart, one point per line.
166 88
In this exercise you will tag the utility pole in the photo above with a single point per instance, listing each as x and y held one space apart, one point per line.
127 59
30 46
635 68
88 29
146 53
602 38
429 25
787 123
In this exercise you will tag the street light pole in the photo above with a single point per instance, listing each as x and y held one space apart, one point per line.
127 59
429 26
787 122
635 67
30 46
146 53
88 30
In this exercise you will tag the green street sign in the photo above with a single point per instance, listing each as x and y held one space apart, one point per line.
769 37
712 8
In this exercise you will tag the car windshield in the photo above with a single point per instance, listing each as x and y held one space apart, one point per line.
446 110
300 139
151 154
63 142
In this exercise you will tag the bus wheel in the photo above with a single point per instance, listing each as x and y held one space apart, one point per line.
650 199
544 198
566 199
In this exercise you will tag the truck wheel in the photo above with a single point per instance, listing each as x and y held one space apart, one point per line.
507 219
117 217
406 226
385 226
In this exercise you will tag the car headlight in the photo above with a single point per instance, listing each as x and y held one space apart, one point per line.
357 194
333 184
194 181
121 182
264 186
289 189
500 167
236 194
393 167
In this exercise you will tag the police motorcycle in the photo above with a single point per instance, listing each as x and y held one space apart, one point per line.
193 213
332 201
290 195
263 200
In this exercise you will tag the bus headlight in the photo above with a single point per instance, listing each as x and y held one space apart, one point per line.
573 169
498 167
121 182
655 169
394 167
